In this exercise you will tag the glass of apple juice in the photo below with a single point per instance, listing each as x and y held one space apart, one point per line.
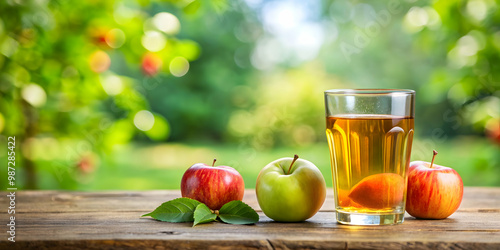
370 133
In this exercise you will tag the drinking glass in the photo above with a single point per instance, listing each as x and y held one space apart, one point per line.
370 134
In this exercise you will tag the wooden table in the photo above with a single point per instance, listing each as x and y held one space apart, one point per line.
111 220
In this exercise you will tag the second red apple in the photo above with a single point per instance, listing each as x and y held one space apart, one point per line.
434 191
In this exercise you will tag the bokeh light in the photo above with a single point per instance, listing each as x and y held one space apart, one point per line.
416 19
167 23
311 39
151 63
465 51
112 84
144 120
9 46
34 94
493 106
282 16
160 129
123 13
477 9
115 38
267 53
153 41
467 46
179 66
434 20
99 61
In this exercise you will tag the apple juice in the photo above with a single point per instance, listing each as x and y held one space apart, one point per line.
370 155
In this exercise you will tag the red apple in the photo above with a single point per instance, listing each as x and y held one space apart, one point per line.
434 192
213 186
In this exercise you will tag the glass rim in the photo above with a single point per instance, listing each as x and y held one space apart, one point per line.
370 92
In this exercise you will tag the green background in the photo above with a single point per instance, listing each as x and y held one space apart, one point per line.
129 94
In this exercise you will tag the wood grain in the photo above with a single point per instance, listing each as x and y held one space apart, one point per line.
111 220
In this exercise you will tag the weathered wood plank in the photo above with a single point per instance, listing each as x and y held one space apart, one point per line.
126 225
111 220
63 201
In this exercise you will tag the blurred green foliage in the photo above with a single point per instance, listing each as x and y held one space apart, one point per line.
83 85
75 77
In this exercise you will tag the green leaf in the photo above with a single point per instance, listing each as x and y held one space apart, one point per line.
177 210
237 212
203 214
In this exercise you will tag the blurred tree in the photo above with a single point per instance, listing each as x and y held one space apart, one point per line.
79 78
470 77
74 75
219 82
446 50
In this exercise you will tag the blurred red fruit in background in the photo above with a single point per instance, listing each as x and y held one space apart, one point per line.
87 163
151 63
492 130
99 61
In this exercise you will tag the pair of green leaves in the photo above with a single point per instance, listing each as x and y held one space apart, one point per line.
186 210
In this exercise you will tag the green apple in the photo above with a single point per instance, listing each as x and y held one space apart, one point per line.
290 190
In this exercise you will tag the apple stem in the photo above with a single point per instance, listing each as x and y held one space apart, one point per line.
295 157
434 152
213 163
